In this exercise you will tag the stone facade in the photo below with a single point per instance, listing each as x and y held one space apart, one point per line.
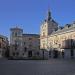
46 29
3 45
54 37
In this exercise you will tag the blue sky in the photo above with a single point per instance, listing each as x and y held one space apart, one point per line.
29 14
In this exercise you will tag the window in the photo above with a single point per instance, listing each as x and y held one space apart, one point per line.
59 45
49 52
4 47
2 39
0 45
16 46
30 38
24 43
30 45
17 53
25 49
12 33
23 54
45 25
38 53
43 45
13 53
16 34
73 35
19 33
39 47
0 52
17 42
43 34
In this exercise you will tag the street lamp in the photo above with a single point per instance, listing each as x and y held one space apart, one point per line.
43 53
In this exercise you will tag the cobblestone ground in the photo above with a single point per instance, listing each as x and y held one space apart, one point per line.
37 67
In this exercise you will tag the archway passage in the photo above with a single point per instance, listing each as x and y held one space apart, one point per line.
55 54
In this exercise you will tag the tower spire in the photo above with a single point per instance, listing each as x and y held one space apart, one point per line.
48 14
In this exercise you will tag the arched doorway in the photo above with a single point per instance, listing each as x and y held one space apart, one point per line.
55 54
29 53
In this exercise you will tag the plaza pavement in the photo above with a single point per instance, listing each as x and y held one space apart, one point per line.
37 67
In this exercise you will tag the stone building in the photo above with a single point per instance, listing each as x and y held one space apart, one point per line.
16 45
57 40
23 45
48 26
31 44
3 45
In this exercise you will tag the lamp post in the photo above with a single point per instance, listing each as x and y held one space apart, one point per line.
43 53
